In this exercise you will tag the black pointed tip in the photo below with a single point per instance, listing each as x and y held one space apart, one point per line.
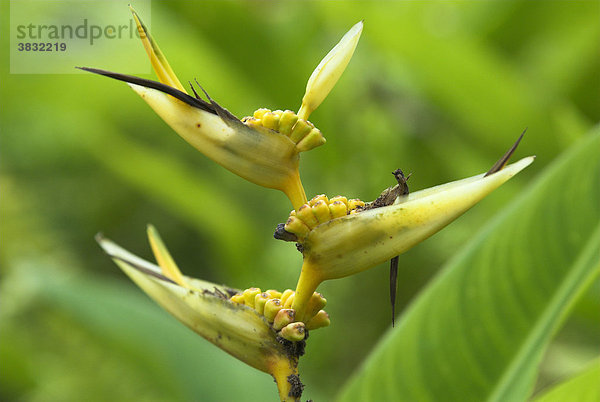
194 90
159 86
499 165
393 285
203 90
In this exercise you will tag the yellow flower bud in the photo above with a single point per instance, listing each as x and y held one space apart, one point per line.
320 320
296 226
273 294
285 295
315 304
294 332
270 120
258 114
300 130
321 211
250 295
259 302
338 209
287 121
312 140
305 214
283 317
256 124
339 198
289 301
317 198
329 71
238 298
272 307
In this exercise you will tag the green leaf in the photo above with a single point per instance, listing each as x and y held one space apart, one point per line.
478 331
582 387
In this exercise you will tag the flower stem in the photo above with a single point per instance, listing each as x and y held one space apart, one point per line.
307 284
285 373
295 191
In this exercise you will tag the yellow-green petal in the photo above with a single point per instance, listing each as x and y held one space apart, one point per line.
163 257
329 71
159 62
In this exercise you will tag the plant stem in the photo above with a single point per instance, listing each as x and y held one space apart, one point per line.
307 284
295 191
285 373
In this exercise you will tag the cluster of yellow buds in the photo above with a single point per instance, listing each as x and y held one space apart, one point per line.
276 306
320 209
302 132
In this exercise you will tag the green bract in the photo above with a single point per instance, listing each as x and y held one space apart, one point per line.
353 243
206 309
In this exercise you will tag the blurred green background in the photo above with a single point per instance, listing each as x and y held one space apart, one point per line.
439 89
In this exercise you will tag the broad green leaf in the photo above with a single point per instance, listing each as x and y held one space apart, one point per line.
479 330
582 387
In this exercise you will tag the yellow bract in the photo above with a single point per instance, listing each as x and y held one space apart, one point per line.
161 66
265 150
353 243
205 308
164 259
267 159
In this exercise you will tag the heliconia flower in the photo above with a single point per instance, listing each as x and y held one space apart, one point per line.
348 244
263 148
207 309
